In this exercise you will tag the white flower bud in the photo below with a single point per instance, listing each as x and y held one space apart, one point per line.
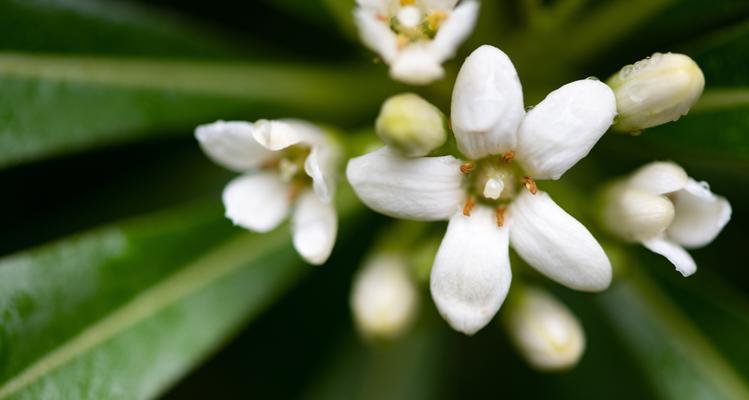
634 214
545 332
411 125
656 90
383 297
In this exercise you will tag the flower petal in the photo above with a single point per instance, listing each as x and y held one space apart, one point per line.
378 6
556 244
426 189
376 34
416 64
471 273
683 262
660 177
487 104
454 30
445 5
231 145
314 225
700 215
320 165
258 202
562 129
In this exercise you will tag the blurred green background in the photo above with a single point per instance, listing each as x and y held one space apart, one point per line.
120 278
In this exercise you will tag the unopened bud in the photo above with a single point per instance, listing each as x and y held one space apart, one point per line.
545 332
411 125
656 90
384 297
633 214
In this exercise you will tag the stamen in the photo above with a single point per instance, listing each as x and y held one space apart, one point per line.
269 164
295 188
508 156
530 184
501 215
468 206
449 124
407 3
467 167
383 18
402 41
435 19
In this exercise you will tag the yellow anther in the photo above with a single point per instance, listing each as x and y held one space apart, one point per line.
407 3
468 206
501 216
467 167
530 184
435 19
508 156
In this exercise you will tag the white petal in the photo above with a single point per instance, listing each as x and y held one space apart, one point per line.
471 273
454 30
322 166
487 104
700 215
314 225
426 189
416 65
562 129
634 214
660 177
376 34
556 244
445 5
378 6
276 135
231 145
674 253
257 202
384 298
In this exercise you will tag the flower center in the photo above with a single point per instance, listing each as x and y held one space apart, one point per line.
412 24
495 181
290 167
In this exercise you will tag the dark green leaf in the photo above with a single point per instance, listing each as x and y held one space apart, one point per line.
54 105
122 311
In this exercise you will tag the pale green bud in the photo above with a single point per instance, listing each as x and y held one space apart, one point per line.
384 298
544 330
656 90
410 125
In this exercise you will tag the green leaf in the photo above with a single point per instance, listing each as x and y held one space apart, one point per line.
680 362
123 311
54 105
104 27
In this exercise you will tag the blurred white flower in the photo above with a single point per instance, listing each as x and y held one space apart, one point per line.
665 210
285 164
411 125
656 90
415 37
484 198
384 299
545 332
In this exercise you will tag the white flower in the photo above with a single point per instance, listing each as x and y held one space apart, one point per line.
665 210
415 37
285 164
411 125
547 334
491 200
384 297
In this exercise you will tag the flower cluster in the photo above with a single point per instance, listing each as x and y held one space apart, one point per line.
482 171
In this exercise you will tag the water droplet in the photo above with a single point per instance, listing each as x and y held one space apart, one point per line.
656 57
592 78
705 185
625 72
528 108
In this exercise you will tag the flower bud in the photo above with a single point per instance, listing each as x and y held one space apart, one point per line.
656 90
545 332
411 125
634 214
383 297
